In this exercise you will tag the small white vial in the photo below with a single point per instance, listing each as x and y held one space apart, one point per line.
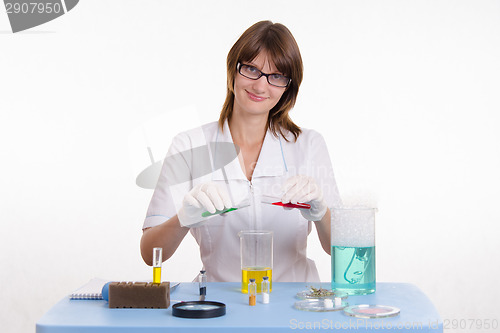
338 302
265 289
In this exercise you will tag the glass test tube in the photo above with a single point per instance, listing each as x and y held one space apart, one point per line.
252 292
203 283
157 265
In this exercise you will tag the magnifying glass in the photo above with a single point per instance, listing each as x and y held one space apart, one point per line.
199 309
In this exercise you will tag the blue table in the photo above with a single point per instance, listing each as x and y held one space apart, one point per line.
417 313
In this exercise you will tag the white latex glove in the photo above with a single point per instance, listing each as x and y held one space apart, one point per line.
304 189
202 198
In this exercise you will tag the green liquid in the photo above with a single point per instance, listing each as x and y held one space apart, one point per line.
217 212
353 269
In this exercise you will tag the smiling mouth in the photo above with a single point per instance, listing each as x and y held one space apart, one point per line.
255 98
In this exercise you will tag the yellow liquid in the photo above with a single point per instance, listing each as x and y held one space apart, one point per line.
156 274
256 273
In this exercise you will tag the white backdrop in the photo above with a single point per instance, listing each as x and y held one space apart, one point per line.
404 92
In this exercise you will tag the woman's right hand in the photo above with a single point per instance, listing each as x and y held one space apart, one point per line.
206 197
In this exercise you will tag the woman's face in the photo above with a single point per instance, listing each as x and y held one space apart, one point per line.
256 97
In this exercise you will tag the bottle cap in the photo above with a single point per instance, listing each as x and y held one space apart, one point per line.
252 280
265 278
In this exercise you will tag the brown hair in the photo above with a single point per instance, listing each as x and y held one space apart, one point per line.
283 51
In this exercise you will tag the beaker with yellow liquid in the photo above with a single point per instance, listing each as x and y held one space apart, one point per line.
256 250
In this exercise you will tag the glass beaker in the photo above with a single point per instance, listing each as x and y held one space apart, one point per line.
256 250
353 250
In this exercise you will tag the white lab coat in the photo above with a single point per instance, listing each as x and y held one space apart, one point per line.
218 236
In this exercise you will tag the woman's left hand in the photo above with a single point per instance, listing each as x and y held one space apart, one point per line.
304 189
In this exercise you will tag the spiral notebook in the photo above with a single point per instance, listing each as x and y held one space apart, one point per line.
90 290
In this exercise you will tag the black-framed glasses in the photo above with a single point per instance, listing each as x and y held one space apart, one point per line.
253 73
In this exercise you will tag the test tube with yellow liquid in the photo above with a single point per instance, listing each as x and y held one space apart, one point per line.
256 250
157 251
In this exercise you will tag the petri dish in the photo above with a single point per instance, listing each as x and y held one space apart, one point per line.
371 311
306 294
320 305
199 309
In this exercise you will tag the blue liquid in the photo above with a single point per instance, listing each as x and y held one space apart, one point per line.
353 269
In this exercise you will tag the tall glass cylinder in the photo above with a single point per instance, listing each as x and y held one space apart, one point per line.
353 250
256 250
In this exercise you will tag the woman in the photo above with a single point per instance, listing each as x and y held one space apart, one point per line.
275 158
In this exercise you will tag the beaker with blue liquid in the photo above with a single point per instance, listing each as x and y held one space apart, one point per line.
353 250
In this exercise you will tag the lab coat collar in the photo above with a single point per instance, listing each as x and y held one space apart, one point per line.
271 161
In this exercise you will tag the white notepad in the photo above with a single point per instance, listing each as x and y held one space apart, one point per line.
91 290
